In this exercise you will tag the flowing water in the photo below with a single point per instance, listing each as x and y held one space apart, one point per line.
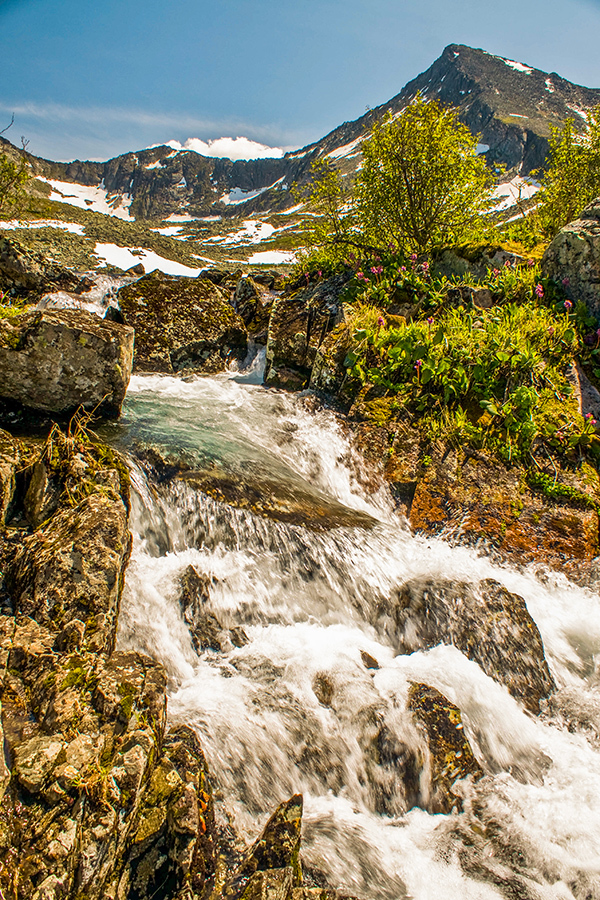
295 709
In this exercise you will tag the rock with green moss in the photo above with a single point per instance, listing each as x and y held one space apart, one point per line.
278 848
574 255
451 756
486 622
254 302
58 360
298 326
24 271
182 324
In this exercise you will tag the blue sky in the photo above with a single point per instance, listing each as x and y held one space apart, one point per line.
95 79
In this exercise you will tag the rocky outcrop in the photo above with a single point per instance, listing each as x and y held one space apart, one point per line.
450 755
182 324
25 272
573 259
298 326
485 622
54 361
254 303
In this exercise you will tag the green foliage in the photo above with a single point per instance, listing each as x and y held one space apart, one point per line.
494 379
14 177
422 185
572 179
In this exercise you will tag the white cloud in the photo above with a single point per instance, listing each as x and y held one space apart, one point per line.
229 148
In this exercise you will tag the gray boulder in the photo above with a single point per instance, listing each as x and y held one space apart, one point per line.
574 254
54 361
23 271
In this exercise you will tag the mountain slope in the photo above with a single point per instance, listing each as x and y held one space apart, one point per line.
511 105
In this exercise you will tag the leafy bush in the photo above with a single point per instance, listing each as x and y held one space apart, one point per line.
495 379
572 179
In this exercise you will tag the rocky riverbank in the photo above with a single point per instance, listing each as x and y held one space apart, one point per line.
100 797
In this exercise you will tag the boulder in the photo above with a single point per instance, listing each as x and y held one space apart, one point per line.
451 756
573 259
54 361
25 272
254 302
205 629
182 324
472 260
485 622
276 851
298 326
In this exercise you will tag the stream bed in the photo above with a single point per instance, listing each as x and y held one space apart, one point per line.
294 707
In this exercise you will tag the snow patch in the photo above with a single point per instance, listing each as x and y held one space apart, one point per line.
272 257
97 199
517 66
155 165
549 86
482 148
578 110
253 232
126 257
72 227
169 231
239 195
514 191
517 116
346 149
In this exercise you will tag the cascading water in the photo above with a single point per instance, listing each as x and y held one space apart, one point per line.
295 709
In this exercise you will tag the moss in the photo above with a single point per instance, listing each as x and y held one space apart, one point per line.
555 490
127 693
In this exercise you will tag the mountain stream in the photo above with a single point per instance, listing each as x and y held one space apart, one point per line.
296 709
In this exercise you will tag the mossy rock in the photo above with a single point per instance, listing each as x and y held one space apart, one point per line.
182 324
450 753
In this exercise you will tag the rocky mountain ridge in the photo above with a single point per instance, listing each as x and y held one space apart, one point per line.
511 105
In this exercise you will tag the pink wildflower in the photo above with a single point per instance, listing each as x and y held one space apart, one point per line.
568 305
565 282
530 263
539 291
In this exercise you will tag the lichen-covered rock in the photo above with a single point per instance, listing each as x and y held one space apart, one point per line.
254 302
298 326
72 568
475 260
182 324
469 495
174 842
278 848
573 258
485 622
23 271
451 756
54 361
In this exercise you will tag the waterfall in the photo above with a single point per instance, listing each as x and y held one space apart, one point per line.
283 699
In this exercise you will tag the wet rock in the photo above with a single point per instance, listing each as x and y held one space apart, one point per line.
295 503
54 361
10 463
182 324
23 271
369 661
451 756
43 494
573 258
329 372
298 326
277 848
205 629
485 622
